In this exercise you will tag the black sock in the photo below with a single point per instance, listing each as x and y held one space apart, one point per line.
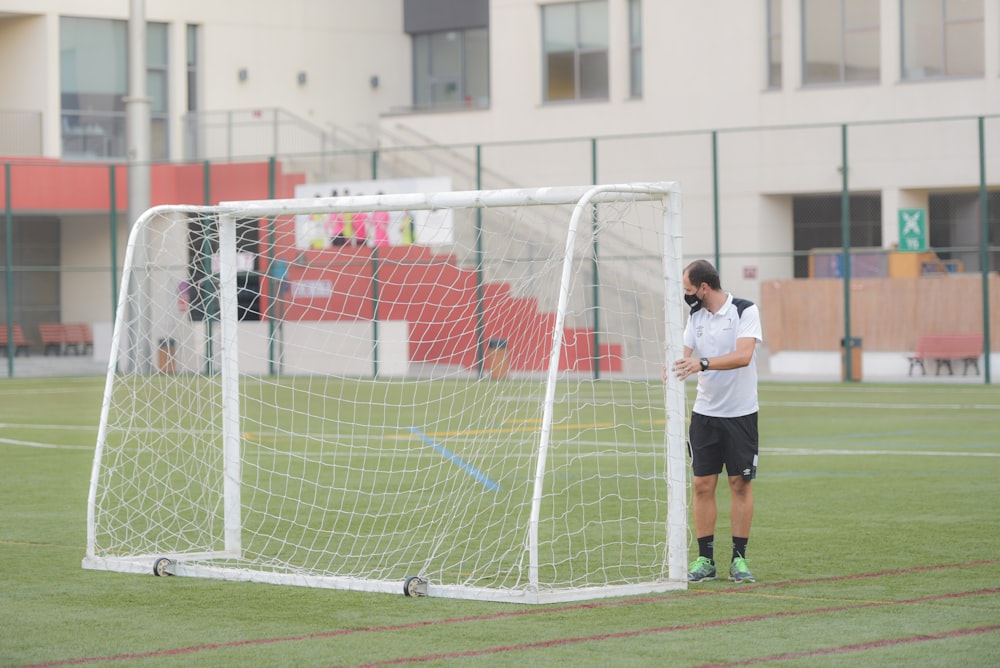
740 547
706 547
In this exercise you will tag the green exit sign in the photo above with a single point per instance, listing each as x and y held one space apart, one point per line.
913 230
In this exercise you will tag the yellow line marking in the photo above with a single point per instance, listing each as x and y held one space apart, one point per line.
33 544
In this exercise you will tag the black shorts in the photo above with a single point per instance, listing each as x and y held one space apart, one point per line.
716 441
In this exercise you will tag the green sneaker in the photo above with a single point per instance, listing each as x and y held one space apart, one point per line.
738 571
701 569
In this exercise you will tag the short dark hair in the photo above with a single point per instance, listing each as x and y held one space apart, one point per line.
702 271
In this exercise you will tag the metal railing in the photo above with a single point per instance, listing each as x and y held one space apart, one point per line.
251 133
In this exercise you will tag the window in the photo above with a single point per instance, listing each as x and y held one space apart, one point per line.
451 69
817 224
192 47
93 83
156 88
192 68
953 222
840 41
575 45
774 43
942 38
635 48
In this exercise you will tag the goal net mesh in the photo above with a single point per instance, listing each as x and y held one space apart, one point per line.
453 394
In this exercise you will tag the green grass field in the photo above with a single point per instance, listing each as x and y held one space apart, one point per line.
383 479
875 541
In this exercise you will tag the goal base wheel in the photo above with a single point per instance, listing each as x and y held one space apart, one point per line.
415 586
160 567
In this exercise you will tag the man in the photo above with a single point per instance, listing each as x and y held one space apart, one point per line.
720 342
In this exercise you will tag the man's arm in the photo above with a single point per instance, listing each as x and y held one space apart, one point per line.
737 359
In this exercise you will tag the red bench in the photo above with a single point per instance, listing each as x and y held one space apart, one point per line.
66 338
20 343
79 337
946 348
53 336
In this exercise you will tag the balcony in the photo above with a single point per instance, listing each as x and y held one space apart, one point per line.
101 135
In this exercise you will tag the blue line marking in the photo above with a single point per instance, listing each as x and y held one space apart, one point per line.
476 474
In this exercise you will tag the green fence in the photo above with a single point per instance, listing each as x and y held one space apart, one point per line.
913 203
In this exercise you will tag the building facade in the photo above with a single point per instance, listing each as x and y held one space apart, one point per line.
768 112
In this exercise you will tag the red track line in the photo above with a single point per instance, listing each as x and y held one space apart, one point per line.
498 615
557 642
865 576
861 647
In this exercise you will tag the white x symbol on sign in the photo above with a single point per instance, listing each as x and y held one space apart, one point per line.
911 222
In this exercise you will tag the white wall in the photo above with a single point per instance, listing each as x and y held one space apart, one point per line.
701 72
307 348
23 39
85 282
340 45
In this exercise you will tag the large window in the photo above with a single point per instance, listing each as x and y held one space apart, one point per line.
817 225
93 79
192 67
942 38
774 43
840 41
575 45
635 47
192 48
451 69
156 88
954 227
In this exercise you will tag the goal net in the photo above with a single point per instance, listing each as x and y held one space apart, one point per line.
456 394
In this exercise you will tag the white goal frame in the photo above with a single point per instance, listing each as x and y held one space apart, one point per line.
583 199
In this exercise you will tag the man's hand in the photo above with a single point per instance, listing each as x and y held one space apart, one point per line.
686 366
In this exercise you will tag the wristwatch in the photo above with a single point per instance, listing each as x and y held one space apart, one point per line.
704 364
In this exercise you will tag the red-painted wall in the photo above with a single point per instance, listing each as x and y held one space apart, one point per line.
438 298
53 185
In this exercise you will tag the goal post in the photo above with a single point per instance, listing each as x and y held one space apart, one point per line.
455 394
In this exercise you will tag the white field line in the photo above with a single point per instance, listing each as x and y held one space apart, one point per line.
880 406
49 446
902 452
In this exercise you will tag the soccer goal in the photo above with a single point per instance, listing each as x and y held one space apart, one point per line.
454 394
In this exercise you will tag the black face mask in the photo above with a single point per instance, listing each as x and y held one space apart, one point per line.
692 300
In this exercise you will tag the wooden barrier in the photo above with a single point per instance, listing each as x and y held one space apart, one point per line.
886 313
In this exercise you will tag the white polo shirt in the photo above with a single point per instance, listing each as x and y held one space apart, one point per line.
730 392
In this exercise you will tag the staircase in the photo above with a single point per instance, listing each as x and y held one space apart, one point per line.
525 320
440 301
